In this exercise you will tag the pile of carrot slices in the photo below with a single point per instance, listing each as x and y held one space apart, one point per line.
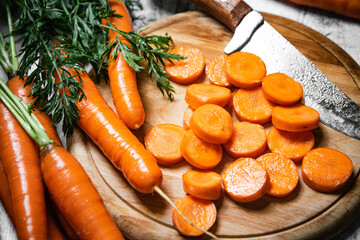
259 120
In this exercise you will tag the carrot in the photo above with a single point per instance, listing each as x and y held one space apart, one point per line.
199 94
199 153
245 180
189 111
5 193
187 70
163 141
202 184
251 105
21 163
245 70
54 232
215 71
75 195
350 8
281 89
295 118
248 140
122 77
199 211
116 141
294 145
284 175
326 170
212 124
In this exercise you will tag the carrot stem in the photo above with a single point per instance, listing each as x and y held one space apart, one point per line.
23 114
164 196
14 61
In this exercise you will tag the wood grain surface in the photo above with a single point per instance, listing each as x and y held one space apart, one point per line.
305 214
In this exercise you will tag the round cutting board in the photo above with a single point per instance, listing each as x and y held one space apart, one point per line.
305 214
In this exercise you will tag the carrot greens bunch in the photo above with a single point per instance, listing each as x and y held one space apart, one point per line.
58 35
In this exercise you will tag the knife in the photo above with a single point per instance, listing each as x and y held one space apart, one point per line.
253 34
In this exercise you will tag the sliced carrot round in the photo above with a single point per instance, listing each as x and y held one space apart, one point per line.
245 70
200 212
199 153
326 170
199 94
292 144
202 184
251 105
284 175
248 140
245 180
187 116
187 70
212 123
163 141
215 71
281 89
295 118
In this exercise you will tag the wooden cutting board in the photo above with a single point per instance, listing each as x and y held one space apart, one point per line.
305 214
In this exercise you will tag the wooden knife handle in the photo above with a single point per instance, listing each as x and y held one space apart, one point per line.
229 12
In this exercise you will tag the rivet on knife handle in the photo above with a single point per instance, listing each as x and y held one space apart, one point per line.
229 12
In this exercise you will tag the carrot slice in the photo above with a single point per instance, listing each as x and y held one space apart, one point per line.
326 170
245 180
202 184
294 145
163 141
189 111
248 140
212 123
295 118
199 153
199 94
251 105
215 71
245 70
200 212
284 175
281 89
187 70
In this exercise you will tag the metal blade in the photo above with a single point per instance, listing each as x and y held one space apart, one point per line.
336 109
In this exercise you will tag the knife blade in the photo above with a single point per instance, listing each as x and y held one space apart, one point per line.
253 34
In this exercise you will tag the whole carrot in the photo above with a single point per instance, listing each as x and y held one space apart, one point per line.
116 141
67 182
21 163
122 77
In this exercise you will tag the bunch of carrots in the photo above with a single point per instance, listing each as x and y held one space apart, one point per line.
265 162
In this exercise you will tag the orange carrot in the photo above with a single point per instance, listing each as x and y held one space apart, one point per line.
163 141
199 153
54 232
21 163
202 184
281 89
245 70
187 70
248 140
251 105
326 170
5 193
295 118
350 8
284 175
122 77
199 211
189 111
199 94
75 195
215 71
294 145
212 124
245 180
116 141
